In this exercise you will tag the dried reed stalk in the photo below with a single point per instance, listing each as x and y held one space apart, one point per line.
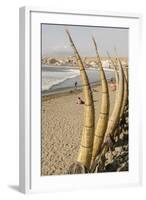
85 151
125 97
104 109
114 118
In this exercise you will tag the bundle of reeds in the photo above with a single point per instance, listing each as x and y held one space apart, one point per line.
104 109
125 96
86 145
96 142
115 116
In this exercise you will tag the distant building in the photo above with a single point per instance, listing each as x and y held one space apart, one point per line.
105 63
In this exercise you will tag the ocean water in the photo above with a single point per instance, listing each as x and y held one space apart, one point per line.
57 78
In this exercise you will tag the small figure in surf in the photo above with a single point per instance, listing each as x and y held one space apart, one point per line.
76 84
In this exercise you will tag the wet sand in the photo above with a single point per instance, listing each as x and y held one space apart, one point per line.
62 121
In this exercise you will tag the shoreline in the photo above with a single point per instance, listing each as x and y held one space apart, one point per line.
65 79
68 89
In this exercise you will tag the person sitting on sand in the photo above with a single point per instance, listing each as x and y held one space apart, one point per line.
113 85
80 101
94 90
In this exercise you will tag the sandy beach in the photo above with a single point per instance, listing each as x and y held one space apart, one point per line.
62 121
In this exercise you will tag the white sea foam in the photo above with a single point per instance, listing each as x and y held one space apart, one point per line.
54 77
108 69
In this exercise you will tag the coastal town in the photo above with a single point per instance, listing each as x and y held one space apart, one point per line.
71 61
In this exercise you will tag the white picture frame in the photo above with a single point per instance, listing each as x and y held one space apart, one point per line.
29 160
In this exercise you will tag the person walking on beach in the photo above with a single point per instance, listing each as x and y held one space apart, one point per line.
76 83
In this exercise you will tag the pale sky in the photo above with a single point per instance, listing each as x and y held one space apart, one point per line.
55 41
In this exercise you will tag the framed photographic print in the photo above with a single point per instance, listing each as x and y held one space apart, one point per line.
79 100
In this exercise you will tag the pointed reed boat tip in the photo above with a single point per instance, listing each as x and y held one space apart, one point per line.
104 112
85 150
